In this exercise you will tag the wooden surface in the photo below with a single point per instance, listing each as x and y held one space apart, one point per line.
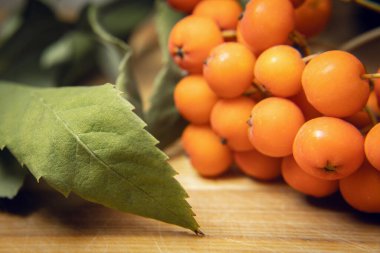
236 213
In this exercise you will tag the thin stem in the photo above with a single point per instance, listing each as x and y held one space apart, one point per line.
300 41
371 115
251 92
365 130
261 89
371 76
229 35
365 3
310 57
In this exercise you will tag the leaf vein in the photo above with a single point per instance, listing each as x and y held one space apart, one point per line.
80 142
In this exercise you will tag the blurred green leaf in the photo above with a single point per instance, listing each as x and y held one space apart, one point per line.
20 54
121 17
11 175
72 56
163 119
121 53
9 27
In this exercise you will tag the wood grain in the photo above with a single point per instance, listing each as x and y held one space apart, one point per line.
237 214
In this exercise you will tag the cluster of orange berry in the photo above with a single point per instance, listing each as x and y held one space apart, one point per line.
254 101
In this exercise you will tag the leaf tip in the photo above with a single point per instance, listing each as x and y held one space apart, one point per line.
199 233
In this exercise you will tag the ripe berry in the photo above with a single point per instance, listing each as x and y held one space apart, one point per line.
312 17
279 69
206 152
225 12
229 120
362 189
257 165
328 148
229 69
194 99
183 5
333 84
371 146
191 41
267 23
303 182
274 124
309 112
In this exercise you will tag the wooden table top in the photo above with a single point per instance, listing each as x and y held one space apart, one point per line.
237 214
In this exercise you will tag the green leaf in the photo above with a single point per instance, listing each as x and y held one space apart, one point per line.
125 80
121 17
88 141
11 175
72 56
9 27
164 121
20 54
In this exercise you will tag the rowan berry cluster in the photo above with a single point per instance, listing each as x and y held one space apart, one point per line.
253 100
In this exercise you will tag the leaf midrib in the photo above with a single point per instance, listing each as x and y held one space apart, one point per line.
98 159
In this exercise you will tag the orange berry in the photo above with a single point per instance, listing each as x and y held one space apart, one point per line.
328 148
229 69
309 112
362 189
301 181
191 41
361 119
313 16
279 69
194 99
376 87
257 165
267 23
371 146
241 40
229 120
183 5
274 124
206 152
372 103
333 85
225 12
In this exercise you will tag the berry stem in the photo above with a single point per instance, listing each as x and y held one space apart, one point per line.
365 3
309 57
365 130
330 168
229 35
371 115
261 89
371 76
300 41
